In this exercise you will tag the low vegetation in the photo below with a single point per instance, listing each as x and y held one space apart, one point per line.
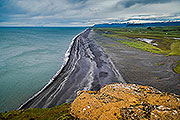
177 68
166 38
163 40
56 113
121 101
142 45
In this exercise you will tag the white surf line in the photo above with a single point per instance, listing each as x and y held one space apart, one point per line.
66 58
59 88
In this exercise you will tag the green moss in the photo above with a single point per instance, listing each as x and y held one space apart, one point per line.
177 68
56 113
162 63
175 48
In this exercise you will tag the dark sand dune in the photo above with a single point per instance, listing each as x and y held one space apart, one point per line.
88 68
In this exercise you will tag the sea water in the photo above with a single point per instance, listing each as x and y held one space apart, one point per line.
29 57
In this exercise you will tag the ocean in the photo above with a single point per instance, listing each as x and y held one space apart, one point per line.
29 57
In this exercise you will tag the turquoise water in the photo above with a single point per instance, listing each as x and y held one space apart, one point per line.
29 57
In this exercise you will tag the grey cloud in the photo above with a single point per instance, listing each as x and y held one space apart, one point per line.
86 12
9 7
76 1
129 3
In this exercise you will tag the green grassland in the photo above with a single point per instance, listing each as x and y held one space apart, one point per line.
56 113
167 39
177 68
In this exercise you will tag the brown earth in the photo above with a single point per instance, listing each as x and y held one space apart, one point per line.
121 101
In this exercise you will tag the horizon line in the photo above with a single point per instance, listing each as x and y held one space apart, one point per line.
45 26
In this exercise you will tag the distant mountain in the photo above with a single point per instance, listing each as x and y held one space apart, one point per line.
156 24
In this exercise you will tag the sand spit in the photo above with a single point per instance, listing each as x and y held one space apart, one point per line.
87 67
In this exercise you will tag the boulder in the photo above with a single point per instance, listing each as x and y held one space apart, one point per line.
126 101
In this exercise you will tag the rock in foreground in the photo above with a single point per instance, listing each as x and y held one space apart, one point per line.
126 101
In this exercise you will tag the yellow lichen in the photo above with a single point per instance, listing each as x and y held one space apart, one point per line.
126 101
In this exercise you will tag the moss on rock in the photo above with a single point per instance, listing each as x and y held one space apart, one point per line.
126 101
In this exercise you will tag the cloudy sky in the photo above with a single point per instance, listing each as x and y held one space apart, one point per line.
85 12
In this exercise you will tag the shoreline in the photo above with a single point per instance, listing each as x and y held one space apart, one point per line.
66 58
86 67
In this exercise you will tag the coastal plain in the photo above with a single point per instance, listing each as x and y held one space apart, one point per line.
145 56
102 56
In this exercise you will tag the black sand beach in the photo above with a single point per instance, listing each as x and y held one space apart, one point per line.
87 68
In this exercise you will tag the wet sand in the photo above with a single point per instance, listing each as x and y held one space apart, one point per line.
87 68
140 67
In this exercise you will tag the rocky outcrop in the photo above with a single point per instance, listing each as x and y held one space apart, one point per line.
126 101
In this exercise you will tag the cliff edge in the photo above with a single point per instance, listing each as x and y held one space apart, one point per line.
118 101
126 101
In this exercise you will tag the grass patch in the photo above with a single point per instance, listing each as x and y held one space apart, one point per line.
175 48
142 45
56 113
166 38
177 68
